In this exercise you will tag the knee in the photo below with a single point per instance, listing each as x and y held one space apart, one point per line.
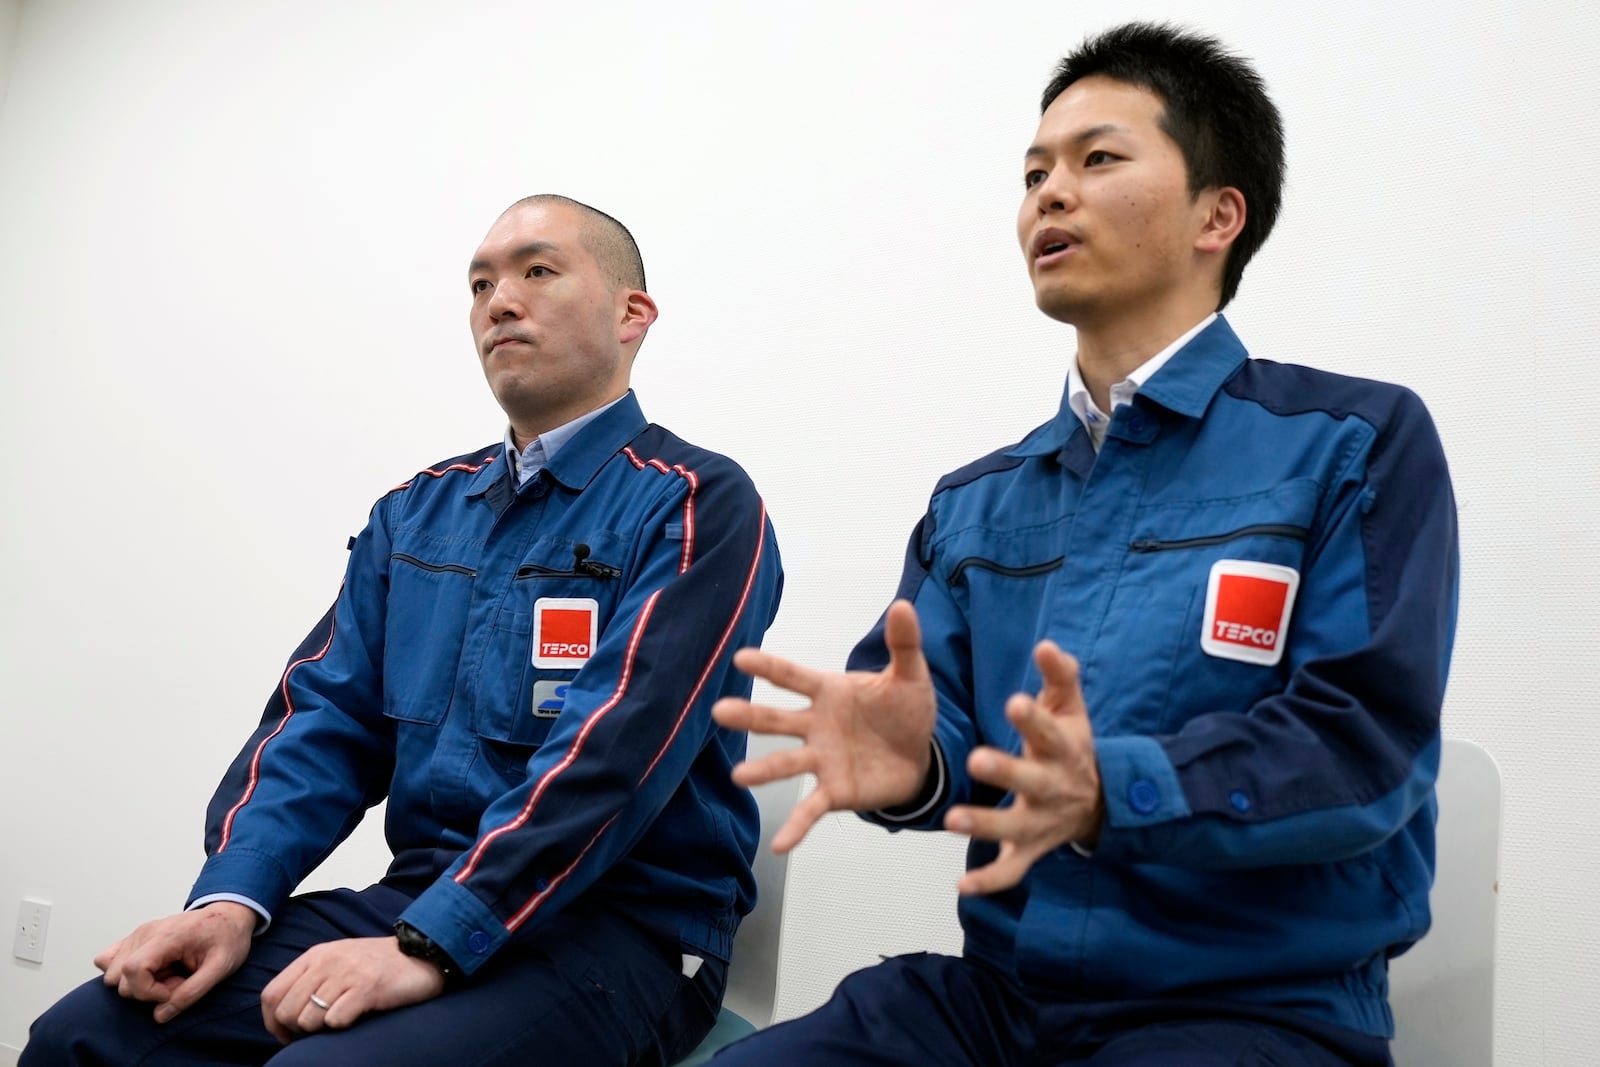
75 1031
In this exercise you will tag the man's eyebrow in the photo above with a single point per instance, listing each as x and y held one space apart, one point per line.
527 251
1088 134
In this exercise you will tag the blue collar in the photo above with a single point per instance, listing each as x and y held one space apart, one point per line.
1185 385
580 458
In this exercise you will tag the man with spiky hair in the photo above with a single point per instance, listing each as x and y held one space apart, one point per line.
522 660
1174 661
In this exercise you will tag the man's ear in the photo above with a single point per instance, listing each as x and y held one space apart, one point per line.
1223 220
635 312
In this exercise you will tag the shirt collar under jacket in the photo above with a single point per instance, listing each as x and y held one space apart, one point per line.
542 449
1094 420
1184 386
583 453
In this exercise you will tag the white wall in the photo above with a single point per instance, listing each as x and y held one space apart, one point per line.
232 241
10 16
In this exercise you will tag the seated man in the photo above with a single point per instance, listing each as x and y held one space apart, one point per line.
1231 585
522 659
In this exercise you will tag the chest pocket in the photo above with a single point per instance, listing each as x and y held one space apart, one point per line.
561 601
1168 567
1000 580
426 617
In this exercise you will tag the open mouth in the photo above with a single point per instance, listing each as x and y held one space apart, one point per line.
1051 246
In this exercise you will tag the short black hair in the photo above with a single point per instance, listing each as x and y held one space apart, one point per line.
609 241
1215 107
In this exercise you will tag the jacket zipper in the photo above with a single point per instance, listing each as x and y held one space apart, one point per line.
1264 529
588 568
1000 568
437 568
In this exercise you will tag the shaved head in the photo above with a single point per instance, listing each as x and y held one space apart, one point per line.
608 240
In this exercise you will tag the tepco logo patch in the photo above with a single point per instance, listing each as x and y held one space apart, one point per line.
1248 605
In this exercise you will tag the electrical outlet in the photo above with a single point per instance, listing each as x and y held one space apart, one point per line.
33 921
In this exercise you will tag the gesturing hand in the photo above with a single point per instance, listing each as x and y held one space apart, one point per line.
173 962
350 977
1055 782
866 733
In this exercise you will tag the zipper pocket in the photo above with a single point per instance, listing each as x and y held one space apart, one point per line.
1030 571
437 568
583 568
1263 529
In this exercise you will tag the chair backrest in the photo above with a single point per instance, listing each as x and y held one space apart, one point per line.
1442 990
753 972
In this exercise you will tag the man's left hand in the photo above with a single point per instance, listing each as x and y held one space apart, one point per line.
352 977
1055 782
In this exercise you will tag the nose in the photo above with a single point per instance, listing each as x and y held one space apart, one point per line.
503 304
1056 191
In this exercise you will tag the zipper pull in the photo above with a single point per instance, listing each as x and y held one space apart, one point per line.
593 568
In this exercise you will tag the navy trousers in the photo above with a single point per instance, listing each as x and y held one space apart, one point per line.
590 988
944 1011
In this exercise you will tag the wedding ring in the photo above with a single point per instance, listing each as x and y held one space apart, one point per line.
319 1002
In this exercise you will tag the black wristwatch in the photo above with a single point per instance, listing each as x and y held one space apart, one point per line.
415 943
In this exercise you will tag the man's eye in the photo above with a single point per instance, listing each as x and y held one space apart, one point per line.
539 271
480 286
1032 178
1097 157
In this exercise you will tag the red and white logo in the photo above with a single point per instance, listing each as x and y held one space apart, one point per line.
564 630
1247 610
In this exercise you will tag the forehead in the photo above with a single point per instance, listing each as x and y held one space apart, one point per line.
1101 101
553 226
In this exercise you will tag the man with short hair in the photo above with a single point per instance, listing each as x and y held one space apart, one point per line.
1174 661
522 659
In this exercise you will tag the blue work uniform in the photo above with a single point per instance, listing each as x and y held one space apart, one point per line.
526 673
1258 575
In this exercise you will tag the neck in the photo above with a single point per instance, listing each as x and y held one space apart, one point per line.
528 425
1108 352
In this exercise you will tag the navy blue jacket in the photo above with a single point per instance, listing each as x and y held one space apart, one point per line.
520 777
1268 781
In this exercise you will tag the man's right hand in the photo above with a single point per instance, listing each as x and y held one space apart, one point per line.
867 733
175 961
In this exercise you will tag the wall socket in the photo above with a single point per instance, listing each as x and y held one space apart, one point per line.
33 921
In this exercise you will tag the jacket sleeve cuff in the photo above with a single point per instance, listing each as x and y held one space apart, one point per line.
934 790
263 917
253 878
458 922
1141 790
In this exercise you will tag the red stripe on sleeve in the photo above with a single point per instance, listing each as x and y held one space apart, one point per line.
572 753
288 702
527 910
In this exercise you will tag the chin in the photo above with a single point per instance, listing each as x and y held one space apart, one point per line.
1063 307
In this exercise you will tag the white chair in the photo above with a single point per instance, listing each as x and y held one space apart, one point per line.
752 990
1442 990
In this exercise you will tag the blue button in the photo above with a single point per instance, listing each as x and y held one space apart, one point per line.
1136 423
478 942
1093 417
541 884
1239 801
1143 796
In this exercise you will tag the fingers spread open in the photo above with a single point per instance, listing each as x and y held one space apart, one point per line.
902 635
1062 692
777 670
1043 735
738 714
775 765
801 820
1021 776
1007 870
